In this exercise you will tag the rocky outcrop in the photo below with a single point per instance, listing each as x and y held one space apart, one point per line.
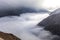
7 36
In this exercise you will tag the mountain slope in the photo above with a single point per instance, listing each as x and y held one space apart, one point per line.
7 36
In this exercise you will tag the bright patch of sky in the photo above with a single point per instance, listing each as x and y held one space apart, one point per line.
51 4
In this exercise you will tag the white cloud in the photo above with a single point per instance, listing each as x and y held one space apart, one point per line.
20 27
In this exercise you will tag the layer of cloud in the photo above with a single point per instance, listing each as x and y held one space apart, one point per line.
20 26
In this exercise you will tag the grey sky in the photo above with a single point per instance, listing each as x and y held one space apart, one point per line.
17 3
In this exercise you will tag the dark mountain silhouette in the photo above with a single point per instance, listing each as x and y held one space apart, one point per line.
51 19
52 23
8 12
18 11
26 10
30 10
43 10
54 29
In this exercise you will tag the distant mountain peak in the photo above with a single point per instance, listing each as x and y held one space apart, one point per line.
57 11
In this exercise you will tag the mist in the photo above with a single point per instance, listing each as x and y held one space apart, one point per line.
22 26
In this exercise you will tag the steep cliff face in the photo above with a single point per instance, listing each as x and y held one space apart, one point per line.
6 36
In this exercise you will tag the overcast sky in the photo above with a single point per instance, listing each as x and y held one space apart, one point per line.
30 3
17 3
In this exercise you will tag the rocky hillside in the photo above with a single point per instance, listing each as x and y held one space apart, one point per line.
6 36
